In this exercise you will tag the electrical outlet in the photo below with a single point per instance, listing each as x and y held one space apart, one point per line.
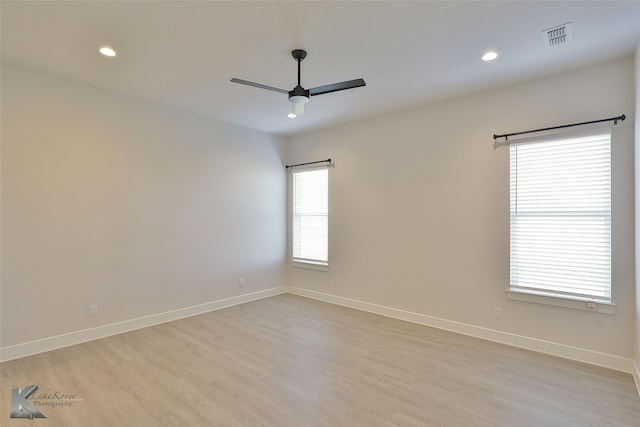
241 282
93 310
497 312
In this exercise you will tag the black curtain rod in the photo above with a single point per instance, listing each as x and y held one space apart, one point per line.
309 163
613 119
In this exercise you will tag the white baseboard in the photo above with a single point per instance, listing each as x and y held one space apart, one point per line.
567 352
78 337
636 376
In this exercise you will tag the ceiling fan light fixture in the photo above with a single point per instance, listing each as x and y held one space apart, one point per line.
298 99
298 108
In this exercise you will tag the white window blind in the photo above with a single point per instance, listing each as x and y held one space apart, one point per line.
310 232
561 216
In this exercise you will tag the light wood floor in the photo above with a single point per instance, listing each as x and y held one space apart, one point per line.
290 361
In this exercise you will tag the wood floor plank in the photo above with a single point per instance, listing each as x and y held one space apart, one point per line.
291 361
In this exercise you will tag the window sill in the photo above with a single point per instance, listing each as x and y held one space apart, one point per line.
562 301
310 265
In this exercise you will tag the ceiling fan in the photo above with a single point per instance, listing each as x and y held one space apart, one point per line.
299 95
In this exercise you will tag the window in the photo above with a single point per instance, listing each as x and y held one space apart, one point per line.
310 215
561 216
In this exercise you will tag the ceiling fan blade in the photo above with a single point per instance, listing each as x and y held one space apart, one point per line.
350 84
259 85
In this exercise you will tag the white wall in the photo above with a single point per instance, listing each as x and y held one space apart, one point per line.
141 209
419 207
135 207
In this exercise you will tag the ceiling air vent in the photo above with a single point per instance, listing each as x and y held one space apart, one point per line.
556 36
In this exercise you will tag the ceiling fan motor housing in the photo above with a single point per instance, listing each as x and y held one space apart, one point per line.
298 95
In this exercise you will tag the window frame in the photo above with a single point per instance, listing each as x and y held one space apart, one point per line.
550 297
309 263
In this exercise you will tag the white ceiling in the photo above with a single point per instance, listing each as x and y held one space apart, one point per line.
183 53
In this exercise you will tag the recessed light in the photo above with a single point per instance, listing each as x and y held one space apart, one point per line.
107 51
489 56
291 116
